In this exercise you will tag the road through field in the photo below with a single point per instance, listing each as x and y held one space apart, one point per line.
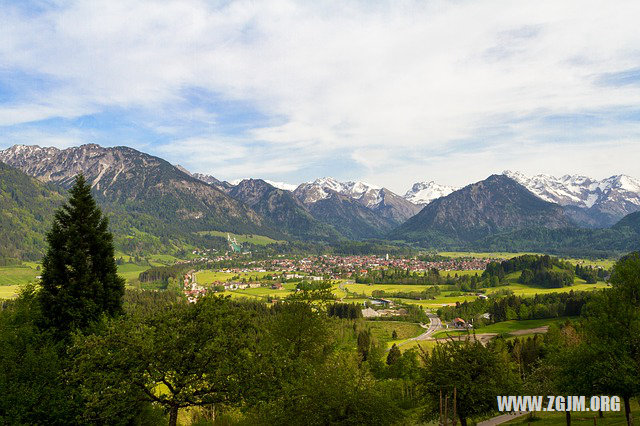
434 325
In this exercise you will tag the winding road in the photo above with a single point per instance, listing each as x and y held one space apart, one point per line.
434 325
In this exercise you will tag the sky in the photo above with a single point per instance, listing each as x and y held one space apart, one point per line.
390 93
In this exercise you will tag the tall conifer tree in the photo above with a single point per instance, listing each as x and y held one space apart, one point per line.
80 282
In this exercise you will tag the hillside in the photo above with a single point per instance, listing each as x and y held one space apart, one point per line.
591 202
283 210
26 212
496 204
349 217
156 196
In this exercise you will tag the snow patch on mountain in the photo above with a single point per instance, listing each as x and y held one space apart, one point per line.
322 188
422 193
281 185
581 191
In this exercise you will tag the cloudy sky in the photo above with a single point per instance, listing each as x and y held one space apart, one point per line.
387 92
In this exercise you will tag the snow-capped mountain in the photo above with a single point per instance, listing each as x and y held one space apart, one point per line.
611 198
319 189
422 193
378 199
282 185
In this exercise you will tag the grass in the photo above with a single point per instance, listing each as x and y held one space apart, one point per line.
383 330
505 326
390 288
259 240
131 271
427 345
9 291
525 290
18 275
209 276
579 418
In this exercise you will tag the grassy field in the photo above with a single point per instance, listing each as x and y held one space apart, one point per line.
209 276
579 418
525 290
259 240
131 271
506 326
17 275
604 263
427 345
383 330
9 291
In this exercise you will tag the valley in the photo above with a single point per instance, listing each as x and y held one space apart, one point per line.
390 278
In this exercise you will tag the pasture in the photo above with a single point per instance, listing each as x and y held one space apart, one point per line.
18 275
9 291
504 327
210 276
383 331
131 271
525 290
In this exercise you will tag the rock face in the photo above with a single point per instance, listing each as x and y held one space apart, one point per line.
356 209
496 204
140 183
590 202
422 193
283 210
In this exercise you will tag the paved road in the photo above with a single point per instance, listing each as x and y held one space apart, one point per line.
434 325
502 418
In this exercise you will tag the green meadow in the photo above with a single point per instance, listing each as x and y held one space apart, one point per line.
9 291
506 326
209 276
383 330
18 275
131 271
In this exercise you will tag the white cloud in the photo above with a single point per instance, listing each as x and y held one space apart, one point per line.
395 85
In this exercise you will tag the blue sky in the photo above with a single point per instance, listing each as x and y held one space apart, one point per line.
388 92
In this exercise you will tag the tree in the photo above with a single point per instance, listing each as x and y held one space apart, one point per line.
31 364
182 355
612 334
336 392
477 373
80 279
394 355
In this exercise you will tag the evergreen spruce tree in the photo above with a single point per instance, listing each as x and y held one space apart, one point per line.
79 279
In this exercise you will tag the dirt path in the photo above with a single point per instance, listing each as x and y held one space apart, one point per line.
542 329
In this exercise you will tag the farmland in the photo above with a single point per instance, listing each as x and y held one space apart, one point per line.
505 327
9 291
18 275
383 330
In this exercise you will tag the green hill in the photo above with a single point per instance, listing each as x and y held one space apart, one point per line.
26 212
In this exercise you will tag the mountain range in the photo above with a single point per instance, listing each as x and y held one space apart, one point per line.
155 205
590 202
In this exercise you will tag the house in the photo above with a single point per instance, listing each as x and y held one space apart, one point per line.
277 286
459 323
